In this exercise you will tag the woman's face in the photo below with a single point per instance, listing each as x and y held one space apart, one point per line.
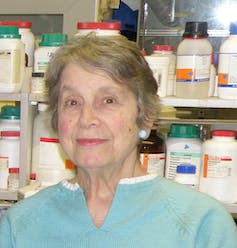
96 119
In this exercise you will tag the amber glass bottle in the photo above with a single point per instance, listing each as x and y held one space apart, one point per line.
152 153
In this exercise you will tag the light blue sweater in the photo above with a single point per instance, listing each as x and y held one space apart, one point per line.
154 213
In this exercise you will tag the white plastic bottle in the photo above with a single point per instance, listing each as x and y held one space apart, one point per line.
186 174
10 118
183 146
227 67
49 43
12 59
194 57
160 68
10 148
100 28
49 162
28 39
219 169
167 51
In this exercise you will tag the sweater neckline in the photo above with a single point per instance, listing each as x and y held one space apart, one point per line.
124 181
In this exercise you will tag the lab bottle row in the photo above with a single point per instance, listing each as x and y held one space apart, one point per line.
190 71
209 166
25 59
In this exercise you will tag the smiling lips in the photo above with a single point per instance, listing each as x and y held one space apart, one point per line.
90 142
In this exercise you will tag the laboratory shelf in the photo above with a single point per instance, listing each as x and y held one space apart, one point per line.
211 102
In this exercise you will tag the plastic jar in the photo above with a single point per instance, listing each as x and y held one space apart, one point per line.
48 169
167 51
100 28
49 43
160 68
183 146
194 58
185 174
152 153
219 168
10 148
12 59
227 67
27 37
10 118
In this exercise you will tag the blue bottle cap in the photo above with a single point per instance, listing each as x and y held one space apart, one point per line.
186 169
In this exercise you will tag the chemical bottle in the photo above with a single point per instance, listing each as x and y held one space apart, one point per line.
219 169
27 37
49 43
183 146
152 153
12 59
227 67
49 162
100 28
186 174
10 148
10 118
194 58
13 179
167 51
160 68
38 85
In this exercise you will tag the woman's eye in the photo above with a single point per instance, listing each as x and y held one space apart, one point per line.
109 100
71 102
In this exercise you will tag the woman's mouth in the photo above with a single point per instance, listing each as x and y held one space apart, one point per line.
90 141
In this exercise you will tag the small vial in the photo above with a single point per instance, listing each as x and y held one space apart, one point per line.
186 174
32 178
13 179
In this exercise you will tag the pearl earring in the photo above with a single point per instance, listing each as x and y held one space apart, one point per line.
143 134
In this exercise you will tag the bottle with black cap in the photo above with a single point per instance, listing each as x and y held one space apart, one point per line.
194 58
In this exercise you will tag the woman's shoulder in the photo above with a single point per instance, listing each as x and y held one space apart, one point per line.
181 199
35 202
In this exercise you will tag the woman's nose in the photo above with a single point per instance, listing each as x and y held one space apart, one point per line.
88 116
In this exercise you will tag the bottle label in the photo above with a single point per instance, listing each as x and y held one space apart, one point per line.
51 155
153 163
193 68
9 64
227 76
180 157
216 166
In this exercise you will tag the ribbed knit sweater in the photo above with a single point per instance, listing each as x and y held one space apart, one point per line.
144 214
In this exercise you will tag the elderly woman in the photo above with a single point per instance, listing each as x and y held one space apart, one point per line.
104 102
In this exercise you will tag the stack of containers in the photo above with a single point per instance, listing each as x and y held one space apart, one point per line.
49 163
9 145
